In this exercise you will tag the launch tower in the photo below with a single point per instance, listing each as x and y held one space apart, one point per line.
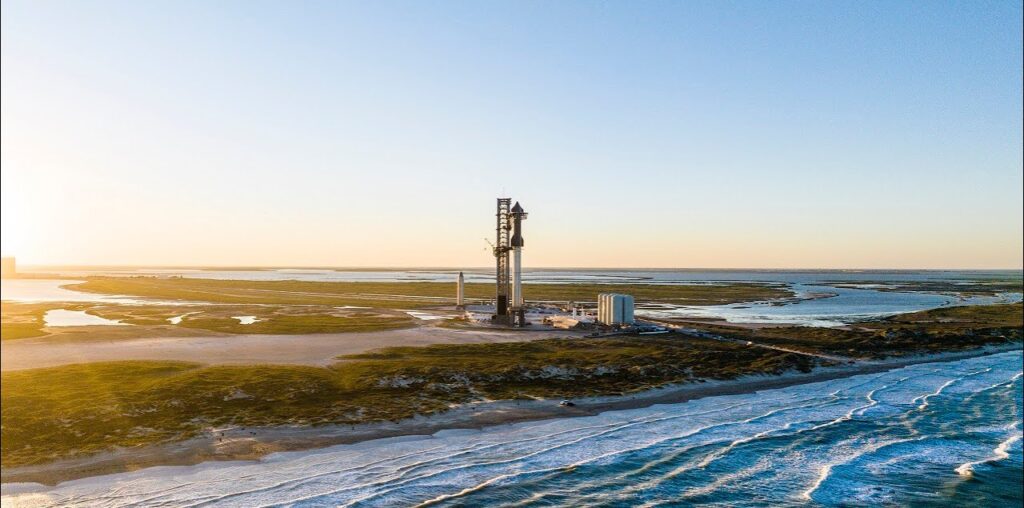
509 304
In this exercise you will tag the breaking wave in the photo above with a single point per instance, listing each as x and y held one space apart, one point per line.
943 433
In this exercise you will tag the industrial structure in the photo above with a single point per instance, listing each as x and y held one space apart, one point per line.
510 306
614 309
460 292
615 312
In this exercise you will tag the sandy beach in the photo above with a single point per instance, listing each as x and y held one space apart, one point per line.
253 443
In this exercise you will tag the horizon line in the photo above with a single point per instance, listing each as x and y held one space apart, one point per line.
244 267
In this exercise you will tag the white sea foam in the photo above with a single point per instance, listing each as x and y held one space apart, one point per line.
1000 452
825 472
821 441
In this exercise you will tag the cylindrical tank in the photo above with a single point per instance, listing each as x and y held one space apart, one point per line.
460 291
517 277
615 309
627 309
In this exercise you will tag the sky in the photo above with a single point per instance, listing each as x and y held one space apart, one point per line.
789 134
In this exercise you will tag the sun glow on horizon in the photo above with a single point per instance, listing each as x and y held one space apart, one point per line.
344 135
18 230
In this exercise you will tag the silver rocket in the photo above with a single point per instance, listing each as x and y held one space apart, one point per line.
516 242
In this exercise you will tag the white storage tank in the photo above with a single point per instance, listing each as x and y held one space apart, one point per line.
614 309
627 309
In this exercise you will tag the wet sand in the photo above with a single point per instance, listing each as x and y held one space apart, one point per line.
254 443
310 349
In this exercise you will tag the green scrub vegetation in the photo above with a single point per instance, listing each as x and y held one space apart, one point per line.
23 320
411 294
958 318
945 329
270 319
989 287
80 409
295 324
21 330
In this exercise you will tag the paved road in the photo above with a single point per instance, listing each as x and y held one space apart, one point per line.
706 335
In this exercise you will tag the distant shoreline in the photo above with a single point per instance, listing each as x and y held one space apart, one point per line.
488 268
254 443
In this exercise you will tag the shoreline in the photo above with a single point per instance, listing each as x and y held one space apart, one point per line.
250 444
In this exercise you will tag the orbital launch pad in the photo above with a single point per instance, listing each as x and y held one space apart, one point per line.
510 307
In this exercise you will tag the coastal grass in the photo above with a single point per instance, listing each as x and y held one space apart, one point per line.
23 320
81 409
943 329
411 294
270 319
9 331
301 324
982 287
563 367
965 316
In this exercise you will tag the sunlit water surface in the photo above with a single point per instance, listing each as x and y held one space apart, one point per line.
627 276
844 305
822 305
63 317
51 290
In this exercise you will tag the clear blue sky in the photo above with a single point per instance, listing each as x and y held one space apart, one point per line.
681 134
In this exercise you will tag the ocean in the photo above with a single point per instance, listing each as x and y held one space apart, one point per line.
931 434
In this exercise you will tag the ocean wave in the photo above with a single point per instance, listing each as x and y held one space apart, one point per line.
894 437
1000 452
